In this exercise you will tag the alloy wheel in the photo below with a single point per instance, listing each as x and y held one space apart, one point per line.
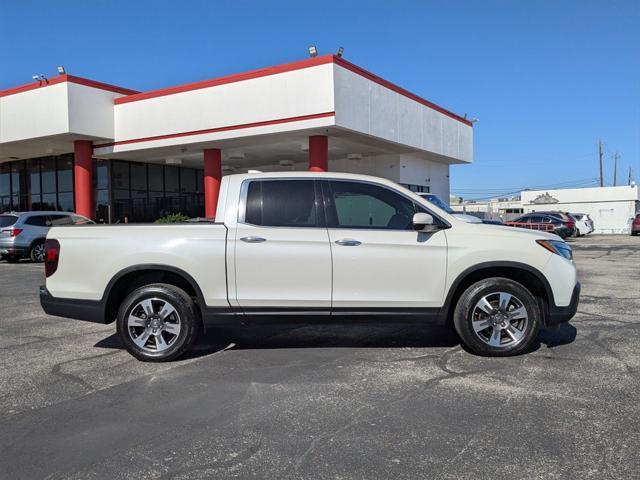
39 252
154 324
500 319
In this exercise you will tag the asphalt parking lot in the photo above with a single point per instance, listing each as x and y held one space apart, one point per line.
359 401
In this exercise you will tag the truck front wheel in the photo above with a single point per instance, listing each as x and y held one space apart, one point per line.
157 323
497 317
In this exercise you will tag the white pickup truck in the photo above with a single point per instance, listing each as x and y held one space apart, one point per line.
311 244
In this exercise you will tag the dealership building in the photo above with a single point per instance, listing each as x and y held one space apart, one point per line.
114 154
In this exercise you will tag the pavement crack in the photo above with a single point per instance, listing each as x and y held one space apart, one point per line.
57 371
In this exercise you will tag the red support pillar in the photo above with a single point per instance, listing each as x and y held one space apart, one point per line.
318 153
212 178
83 177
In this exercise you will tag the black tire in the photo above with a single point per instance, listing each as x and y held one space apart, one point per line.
187 319
36 254
466 310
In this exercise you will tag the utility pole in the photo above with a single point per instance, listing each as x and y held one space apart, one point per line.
616 156
629 182
600 157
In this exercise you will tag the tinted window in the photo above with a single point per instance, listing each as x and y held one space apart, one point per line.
362 205
57 220
37 221
281 203
78 220
7 220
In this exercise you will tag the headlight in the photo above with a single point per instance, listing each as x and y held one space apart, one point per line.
558 247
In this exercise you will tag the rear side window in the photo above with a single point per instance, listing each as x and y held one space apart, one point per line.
78 220
7 220
37 221
281 203
57 220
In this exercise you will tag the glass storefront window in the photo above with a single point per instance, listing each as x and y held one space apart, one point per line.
102 206
187 180
5 180
48 201
33 167
65 173
65 202
138 176
135 190
172 179
120 175
101 174
156 178
49 175
18 178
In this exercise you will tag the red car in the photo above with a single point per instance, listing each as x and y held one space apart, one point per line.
635 226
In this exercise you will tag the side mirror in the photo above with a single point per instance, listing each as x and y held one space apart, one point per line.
423 222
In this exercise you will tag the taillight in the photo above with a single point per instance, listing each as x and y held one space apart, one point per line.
51 256
13 232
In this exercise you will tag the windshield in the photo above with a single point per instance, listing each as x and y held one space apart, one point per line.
437 202
7 220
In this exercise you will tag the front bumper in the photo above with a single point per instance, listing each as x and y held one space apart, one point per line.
558 315
87 310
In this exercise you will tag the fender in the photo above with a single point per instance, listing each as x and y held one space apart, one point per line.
495 264
153 266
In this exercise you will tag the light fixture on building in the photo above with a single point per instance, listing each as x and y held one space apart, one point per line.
173 161
340 52
354 156
313 51
61 70
40 78
286 163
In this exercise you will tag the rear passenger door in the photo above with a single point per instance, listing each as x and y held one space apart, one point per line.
282 254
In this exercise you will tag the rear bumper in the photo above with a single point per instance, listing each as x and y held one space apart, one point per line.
558 315
13 250
87 310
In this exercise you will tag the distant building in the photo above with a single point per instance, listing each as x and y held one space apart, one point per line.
504 209
611 208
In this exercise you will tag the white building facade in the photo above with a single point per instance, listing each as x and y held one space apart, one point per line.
108 152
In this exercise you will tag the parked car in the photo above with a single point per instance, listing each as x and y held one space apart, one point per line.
22 234
537 221
437 201
566 217
492 221
584 224
327 246
635 225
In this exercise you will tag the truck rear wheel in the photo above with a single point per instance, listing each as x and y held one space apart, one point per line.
497 317
157 322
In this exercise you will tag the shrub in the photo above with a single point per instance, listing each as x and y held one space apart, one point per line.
173 218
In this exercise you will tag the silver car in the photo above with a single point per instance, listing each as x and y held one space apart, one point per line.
22 234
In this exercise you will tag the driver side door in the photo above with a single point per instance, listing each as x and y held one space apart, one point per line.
380 264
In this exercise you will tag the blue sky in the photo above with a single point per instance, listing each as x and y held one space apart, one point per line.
545 78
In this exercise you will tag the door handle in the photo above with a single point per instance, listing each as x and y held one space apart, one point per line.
253 239
349 242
